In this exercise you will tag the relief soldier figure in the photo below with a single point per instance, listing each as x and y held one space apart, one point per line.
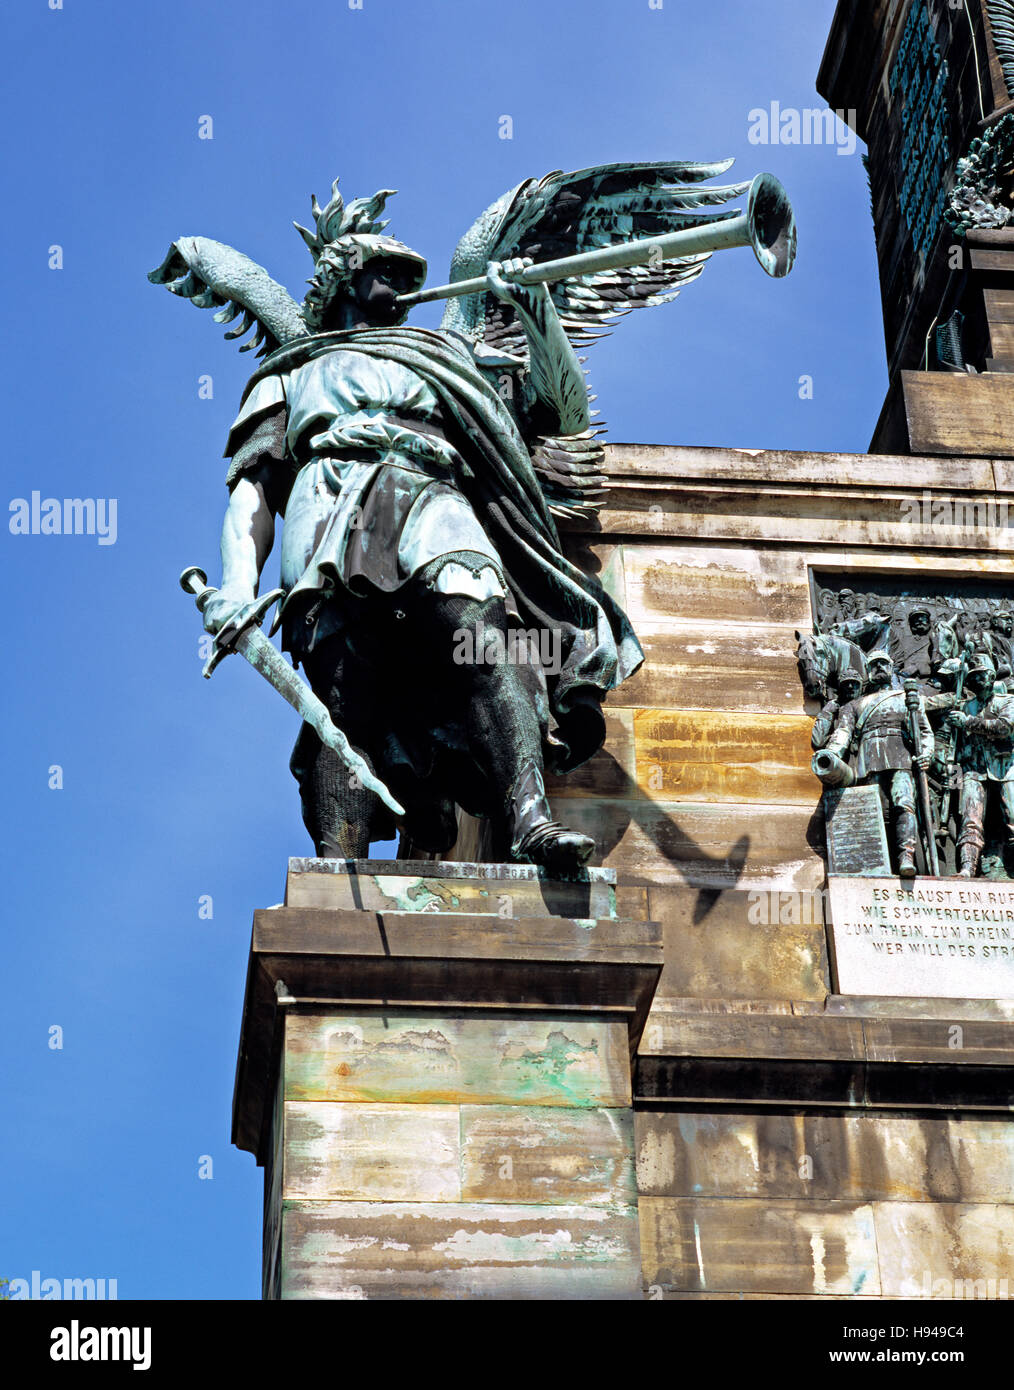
850 687
861 622
920 647
985 752
876 729
997 641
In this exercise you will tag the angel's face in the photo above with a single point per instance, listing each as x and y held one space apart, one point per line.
370 299
375 291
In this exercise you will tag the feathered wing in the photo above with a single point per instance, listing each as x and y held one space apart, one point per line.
215 276
563 215
1001 22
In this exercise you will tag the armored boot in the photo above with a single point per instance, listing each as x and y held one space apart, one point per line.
907 839
970 854
535 837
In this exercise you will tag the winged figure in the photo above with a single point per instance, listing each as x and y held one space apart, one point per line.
423 477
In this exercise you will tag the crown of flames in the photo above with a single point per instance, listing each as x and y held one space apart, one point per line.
337 220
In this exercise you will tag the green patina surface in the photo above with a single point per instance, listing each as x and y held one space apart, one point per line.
450 1060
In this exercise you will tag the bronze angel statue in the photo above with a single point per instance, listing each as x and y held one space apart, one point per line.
422 476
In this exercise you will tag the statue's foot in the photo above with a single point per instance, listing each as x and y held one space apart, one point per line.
906 864
561 852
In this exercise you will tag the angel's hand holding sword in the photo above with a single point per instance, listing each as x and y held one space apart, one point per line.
237 628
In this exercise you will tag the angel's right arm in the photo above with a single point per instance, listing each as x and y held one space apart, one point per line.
256 495
248 533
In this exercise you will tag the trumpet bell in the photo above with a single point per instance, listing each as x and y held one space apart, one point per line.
772 225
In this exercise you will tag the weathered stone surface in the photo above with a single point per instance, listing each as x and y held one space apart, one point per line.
625 462
548 1155
707 846
819 1157
759 1246
379 1153
715 583
406 1250
1003 472
707 1052
274 1169
925 1246
957 1041
738 944
431 1059
673 1032
697 755
923 937
717 665
408 886
608 773
953 413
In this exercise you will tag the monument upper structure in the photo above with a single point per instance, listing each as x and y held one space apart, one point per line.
930 89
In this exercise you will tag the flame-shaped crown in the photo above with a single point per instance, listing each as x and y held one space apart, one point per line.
360 217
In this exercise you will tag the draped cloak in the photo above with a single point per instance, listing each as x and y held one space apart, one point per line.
597 645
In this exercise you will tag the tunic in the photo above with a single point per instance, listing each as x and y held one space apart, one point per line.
372 499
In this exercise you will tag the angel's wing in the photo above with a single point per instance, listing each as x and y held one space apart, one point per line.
213 275
564 214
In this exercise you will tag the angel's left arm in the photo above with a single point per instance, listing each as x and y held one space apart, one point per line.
555 376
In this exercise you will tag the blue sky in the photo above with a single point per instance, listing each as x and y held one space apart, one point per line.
176 789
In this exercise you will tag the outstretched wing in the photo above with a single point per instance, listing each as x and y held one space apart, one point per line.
215 276
564 214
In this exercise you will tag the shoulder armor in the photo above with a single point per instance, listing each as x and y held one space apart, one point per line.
268 394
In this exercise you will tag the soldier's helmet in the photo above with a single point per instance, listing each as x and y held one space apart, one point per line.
981 664
345 240
875 657
947 671
850 686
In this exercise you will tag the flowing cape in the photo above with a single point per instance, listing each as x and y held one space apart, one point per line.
598 647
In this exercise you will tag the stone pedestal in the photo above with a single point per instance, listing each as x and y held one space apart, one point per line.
435 1072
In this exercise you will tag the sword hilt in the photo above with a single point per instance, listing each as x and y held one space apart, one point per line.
195 581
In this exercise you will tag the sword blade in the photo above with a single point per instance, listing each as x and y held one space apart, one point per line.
265 657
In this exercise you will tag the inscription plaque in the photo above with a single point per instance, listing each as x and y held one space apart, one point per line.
923 937
856 838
